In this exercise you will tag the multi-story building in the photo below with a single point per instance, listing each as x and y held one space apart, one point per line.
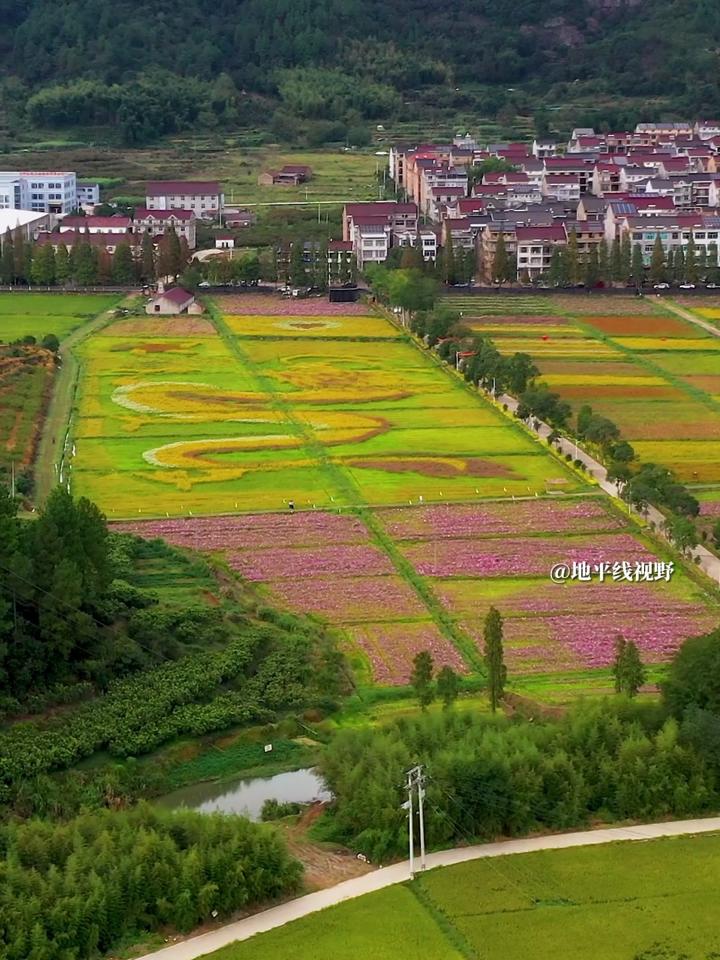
156 222
426 238
204 197
43 191
534 248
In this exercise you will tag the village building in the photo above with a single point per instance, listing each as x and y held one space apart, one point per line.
173 302
291 175
203 197
157 222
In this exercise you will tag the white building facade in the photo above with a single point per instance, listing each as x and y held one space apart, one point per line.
40 191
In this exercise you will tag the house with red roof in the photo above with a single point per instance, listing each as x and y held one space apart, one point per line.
170 303
115 224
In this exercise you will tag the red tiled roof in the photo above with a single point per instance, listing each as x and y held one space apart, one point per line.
142 213
177 296
340 245
540 234
86 222
387 207
189 188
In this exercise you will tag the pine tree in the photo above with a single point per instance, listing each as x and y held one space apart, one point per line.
592 268
62 264
448 686
7 260
628 670
147 258
449 275
494 657
86 263
713 268
616 266
657 264
679 266
421 678
43 266
123 268
501 263
604 262
625 258
637 265
104 262
298 271
691 266
571 259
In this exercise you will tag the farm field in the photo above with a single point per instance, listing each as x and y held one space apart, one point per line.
37 314
548 905
654 374
178 417
25 384
417 504
404 579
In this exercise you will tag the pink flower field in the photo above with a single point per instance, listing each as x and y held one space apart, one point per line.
352 560
351 599
253 531
390 648
519 556
269 305
499 518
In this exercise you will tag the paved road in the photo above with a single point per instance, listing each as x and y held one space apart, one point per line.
706 560
398 873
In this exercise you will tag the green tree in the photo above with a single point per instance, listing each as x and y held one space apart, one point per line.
693 677
62 264
501 262
691 263
298 270
147 258
572 260
657 264
637 267
494 657
449 273
682 532
616 264
448 686
679 266
7 259
421 678
123 267
716 533
86 263
626 252
592 268
604 271
712 271
558 272
628 670
43 266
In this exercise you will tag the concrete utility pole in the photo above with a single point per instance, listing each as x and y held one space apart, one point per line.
415 781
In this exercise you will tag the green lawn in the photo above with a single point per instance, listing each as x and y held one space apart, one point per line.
36 314
623 901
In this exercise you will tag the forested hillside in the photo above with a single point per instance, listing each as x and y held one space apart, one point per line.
95 62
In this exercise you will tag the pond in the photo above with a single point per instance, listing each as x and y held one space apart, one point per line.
246 797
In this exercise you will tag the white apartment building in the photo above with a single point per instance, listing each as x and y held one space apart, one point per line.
371 240
40 191
205 198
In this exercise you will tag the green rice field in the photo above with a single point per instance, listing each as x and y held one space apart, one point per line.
550 905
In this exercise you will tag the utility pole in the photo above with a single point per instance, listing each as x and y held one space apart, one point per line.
12 479
415 781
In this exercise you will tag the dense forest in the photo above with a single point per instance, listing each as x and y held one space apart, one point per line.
93 62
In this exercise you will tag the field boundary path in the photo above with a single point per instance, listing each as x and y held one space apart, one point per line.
399 873
690 317
54 436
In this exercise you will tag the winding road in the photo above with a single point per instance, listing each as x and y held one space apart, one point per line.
398 873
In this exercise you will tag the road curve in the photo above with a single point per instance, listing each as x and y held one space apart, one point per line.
398 873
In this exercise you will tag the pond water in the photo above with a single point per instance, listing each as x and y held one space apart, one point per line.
247 796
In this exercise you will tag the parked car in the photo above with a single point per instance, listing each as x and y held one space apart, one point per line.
204 283
661 286
687 286
712 286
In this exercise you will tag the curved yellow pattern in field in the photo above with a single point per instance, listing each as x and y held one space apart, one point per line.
189 400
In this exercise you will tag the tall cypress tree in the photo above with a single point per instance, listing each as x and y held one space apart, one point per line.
494 657
7 261
500 264
657 264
